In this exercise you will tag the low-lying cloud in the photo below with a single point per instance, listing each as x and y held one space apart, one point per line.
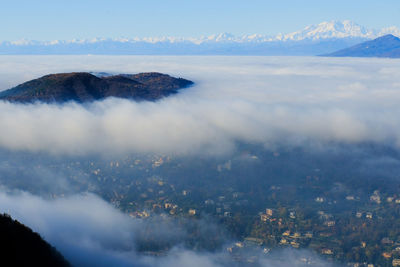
90 232
264 100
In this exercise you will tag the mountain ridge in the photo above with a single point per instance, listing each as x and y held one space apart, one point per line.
312 40
323 30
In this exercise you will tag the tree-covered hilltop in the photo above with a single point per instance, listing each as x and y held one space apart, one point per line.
85 87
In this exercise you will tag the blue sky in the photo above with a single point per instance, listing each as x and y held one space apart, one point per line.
68 19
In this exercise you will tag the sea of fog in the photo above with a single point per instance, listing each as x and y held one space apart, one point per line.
266 101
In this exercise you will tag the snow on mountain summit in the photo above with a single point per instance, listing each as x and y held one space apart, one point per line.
389 30
332 29
322 31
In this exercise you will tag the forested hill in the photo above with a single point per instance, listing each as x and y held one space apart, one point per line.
85 87
20 246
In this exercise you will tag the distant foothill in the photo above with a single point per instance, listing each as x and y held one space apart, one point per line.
387 46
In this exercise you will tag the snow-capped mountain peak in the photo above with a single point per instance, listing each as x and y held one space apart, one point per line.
332 29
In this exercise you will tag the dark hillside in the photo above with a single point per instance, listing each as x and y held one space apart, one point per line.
20 246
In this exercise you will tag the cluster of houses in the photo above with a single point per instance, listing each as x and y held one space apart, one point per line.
292 239
392 256
368 215
288 238
139 214
377 198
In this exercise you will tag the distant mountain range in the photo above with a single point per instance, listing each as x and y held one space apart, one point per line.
385 46
312 40
85 87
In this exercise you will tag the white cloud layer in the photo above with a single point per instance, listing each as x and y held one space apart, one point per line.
264 100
